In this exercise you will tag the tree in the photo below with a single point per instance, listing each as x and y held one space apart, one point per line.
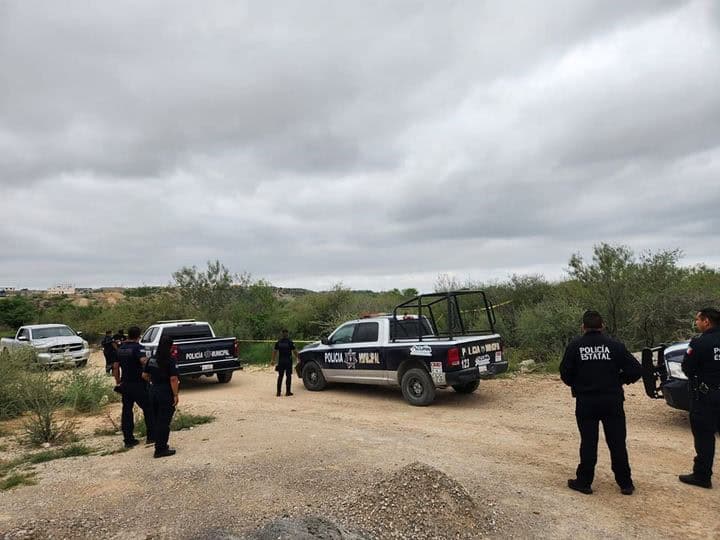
16 311
607 281
209 291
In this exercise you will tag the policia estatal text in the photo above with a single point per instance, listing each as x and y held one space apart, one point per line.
127 370
701 364
595 367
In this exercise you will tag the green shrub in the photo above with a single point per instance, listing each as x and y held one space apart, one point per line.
41 396
15 366
87 392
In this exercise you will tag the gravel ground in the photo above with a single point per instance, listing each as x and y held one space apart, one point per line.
358 462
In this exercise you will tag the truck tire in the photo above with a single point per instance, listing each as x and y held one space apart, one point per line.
5 355
466 388
224 376
417 387
81 363
312 377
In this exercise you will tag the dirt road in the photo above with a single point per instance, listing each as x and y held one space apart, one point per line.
511 445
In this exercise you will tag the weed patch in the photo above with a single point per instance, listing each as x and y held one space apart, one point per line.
50 455
17 479
179 422
87 392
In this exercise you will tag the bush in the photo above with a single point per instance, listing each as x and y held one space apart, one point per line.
87 392
42 397
14 365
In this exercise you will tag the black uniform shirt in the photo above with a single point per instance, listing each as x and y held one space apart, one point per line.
285 346
596 364
159 376
702 359
129 355
108 347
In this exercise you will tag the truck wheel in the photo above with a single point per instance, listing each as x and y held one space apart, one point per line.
81 363
467 388
417 387
312 377
5 354
224 376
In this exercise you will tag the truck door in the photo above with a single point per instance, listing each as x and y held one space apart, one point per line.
338 352
370 365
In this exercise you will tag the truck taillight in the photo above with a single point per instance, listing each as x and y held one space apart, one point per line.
173 352
453 357
235 348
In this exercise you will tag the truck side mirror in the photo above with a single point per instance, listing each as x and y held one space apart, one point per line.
79 333
324 340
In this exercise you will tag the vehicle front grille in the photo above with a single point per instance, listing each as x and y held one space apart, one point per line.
65 348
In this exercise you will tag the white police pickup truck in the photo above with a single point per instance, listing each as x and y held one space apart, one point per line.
195 348
663 377
54 344
435 347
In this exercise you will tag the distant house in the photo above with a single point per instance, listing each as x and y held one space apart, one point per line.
62 289
6 291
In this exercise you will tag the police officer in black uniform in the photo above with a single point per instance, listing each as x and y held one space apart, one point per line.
702 366
595 367
162 373
108 345
285 349
127 370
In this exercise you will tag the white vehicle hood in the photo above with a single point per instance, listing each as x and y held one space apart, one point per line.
55 341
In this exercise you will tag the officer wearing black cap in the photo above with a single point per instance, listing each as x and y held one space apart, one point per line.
702 366
595 367
162 373
127 370
285 349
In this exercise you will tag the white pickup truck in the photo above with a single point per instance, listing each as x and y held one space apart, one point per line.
54 344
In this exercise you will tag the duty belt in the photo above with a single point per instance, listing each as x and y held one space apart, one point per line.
705 388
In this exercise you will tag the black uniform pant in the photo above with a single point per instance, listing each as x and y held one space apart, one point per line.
705 422
135 393
590 411
284 369
163 410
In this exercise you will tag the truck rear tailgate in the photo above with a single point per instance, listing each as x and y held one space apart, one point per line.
483 354
206 356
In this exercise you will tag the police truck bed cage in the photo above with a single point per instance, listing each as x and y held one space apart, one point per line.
445 311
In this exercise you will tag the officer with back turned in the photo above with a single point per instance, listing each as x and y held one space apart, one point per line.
109 351
595 367
127 370
702 366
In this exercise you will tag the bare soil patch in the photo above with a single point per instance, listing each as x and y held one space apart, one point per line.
492 464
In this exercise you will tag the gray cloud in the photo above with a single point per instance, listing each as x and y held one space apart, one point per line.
375 143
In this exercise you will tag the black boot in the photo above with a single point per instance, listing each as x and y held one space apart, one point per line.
694 480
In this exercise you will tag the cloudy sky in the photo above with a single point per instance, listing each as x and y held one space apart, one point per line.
377 143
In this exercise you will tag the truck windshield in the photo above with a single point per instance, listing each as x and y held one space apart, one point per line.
53 331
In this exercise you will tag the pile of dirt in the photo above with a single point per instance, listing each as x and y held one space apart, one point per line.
420 502
307 528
